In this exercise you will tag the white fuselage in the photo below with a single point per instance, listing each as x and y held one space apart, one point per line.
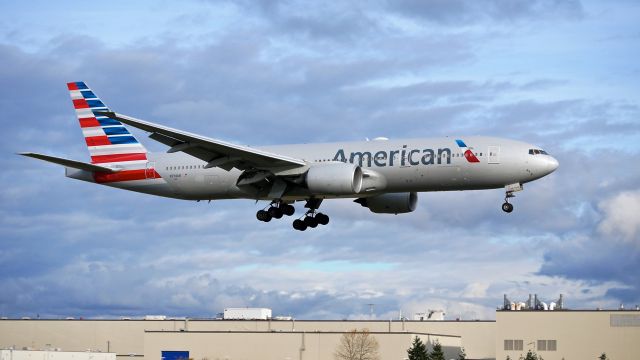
408 165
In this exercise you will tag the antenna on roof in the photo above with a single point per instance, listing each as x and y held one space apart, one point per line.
371 306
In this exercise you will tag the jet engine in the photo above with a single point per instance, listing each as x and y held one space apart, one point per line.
391 203
334 179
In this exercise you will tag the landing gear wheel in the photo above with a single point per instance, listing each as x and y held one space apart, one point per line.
275 212
507 207
288 209
263 215
322 219
299 225
311 221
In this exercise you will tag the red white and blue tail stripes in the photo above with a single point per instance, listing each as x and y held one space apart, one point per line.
468 154
108 141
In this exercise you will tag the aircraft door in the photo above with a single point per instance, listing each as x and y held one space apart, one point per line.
494 154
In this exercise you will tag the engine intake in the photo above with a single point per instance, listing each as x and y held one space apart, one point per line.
391 203
334 179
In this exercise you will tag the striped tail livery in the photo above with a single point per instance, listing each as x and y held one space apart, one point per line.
109 142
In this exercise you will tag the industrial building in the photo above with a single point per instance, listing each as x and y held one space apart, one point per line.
555 335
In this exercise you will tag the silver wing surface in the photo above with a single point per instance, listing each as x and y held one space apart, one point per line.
216 153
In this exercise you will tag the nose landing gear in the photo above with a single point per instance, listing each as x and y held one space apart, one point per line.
507 206
509 190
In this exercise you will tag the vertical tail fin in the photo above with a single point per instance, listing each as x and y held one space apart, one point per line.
108 141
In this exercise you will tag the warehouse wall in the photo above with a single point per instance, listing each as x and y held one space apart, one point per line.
274 345
577 334
127 336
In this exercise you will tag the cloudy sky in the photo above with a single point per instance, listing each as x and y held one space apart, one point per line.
559 74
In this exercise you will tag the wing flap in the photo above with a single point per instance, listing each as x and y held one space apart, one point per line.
210 150
70 163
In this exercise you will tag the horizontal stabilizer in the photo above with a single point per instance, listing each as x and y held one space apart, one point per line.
70 163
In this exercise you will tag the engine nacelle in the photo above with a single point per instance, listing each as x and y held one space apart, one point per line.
334 179
391 203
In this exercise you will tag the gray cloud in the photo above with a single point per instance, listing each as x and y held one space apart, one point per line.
71 248
459 12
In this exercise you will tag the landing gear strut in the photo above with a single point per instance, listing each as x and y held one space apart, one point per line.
275 210
311 218
508 194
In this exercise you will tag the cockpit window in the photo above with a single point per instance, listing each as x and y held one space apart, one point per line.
537 152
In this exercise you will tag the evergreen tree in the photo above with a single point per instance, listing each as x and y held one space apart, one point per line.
436 353
531 355
417 351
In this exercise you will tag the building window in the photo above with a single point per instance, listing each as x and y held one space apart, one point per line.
513 344
508 344
518 345
624 320
542 345
547 345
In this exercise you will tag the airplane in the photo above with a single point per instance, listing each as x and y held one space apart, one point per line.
382 175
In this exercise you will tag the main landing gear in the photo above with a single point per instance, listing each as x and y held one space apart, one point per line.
311 218
275 210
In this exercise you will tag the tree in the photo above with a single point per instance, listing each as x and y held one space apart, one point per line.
531 355
603 356
436 353
357 345
417 351
462 355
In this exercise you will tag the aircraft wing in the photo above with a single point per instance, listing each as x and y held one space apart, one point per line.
216 153
70 163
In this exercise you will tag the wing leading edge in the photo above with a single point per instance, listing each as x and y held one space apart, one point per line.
216 153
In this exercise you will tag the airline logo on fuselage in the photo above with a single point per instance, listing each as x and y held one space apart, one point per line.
402 157
405 156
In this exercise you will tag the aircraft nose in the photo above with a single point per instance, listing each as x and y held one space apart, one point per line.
551 164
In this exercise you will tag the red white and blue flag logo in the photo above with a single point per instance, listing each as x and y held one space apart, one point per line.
468 154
